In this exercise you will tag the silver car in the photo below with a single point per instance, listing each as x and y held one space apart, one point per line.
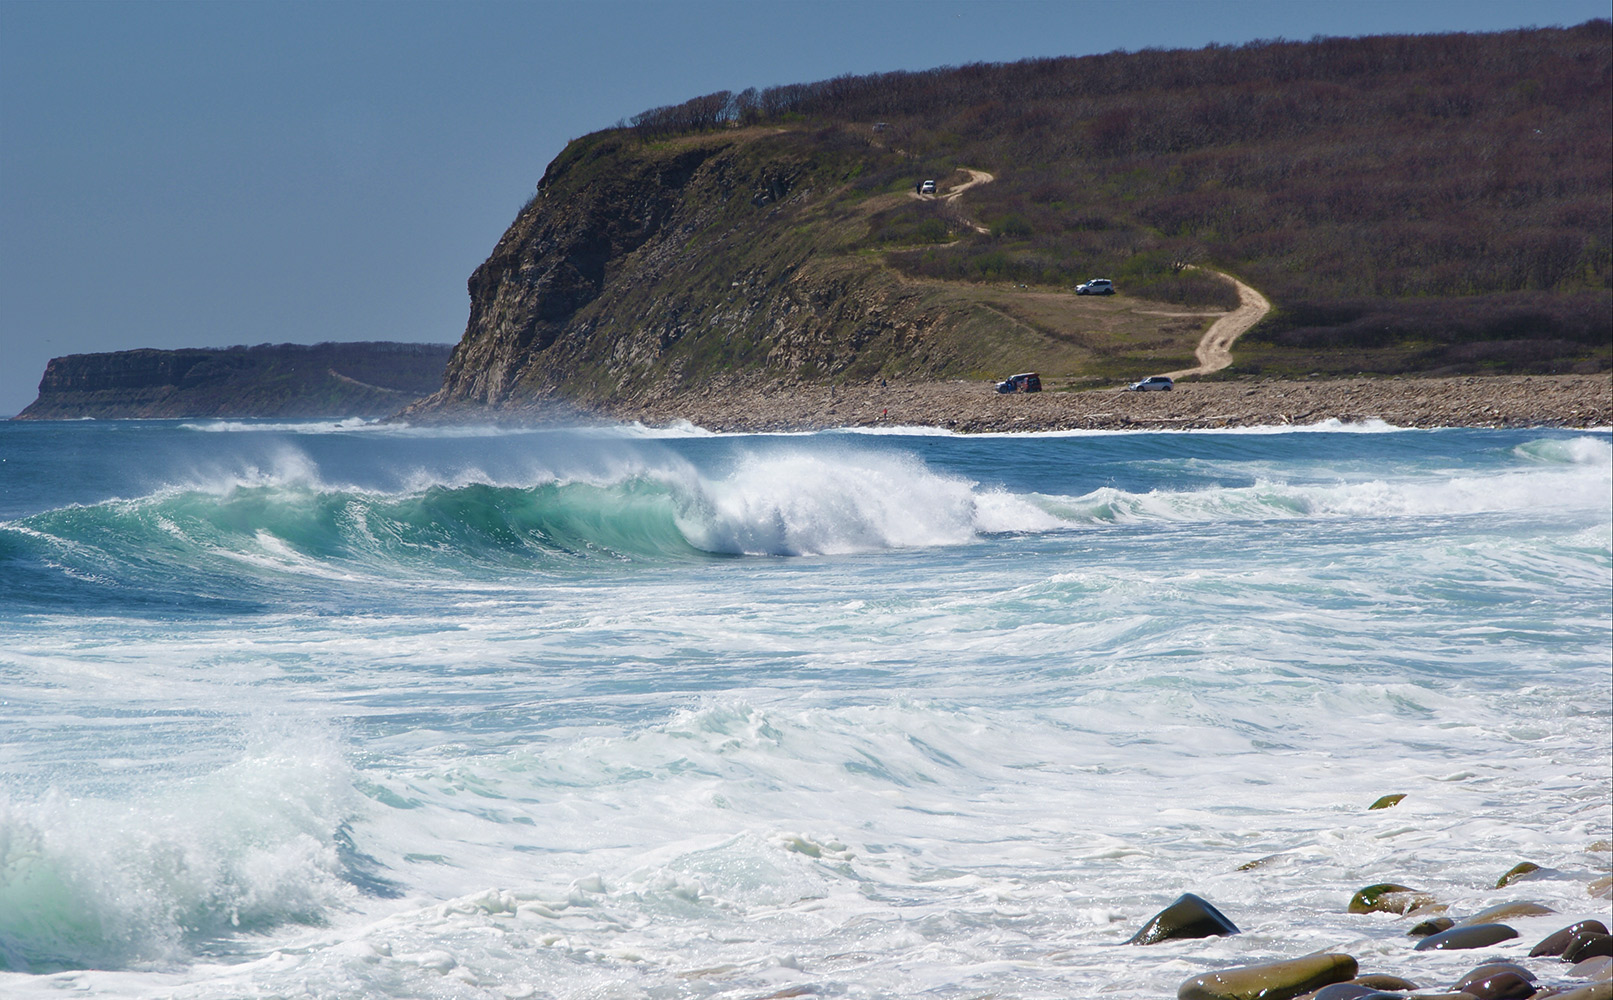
1153 383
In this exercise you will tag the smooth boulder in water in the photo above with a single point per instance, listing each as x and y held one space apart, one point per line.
1388 897
1460 938
1271 981
1385 982
1431 926
1587 944
1498 981
1596 991
1516 872
1505 911
1351 991
1189 917
1553 944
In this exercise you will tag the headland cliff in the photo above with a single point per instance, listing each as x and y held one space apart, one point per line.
367 379
1418 206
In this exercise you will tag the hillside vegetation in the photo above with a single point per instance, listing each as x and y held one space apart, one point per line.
1352 180
1409 204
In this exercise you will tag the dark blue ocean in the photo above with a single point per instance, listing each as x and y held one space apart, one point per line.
364 710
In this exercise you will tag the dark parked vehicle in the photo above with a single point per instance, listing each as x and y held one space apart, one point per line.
1153 383
1023 382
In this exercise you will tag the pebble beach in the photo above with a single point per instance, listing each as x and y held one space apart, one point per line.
968 406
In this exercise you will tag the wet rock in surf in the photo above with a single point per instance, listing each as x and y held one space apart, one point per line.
1462 938
1388 897
1387 983
1593 968
1516 872
1498 981
1388 801
1363 988
1349 991
1505 911
1433 925
1588 944
1602 888
1189 917
1270 981
1554 943
1595 991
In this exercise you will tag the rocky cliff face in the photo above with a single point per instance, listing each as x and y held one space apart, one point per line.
639 271
282 380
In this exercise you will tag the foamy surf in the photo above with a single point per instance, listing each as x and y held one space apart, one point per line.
563 715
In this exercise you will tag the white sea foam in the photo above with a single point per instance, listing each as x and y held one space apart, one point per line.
799 504
969 757
139 880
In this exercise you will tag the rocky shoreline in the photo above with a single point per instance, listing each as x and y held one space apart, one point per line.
975 407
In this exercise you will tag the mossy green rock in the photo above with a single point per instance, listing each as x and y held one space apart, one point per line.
1387 801
1388 897
1272 981
1516 872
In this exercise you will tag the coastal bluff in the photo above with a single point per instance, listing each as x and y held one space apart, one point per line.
364 379
1409 207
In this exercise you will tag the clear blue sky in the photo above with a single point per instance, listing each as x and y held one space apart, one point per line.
187 174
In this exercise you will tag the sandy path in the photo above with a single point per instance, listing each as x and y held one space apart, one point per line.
952 194
975 177
1215 348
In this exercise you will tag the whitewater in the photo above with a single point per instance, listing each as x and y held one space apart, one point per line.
355 709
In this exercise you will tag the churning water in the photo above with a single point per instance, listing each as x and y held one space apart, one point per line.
359 710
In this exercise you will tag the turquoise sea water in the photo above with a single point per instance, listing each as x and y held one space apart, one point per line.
354 710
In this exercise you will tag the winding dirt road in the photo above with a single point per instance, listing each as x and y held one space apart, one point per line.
1215 347
975 177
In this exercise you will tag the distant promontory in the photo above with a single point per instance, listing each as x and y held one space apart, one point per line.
367 379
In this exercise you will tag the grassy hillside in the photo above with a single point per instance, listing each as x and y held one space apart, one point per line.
1429 203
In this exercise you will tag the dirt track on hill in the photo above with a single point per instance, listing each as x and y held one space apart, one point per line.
1215 349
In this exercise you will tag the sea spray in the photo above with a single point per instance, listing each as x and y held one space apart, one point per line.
574 713
150 876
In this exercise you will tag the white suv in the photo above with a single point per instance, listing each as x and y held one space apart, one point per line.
1097 286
